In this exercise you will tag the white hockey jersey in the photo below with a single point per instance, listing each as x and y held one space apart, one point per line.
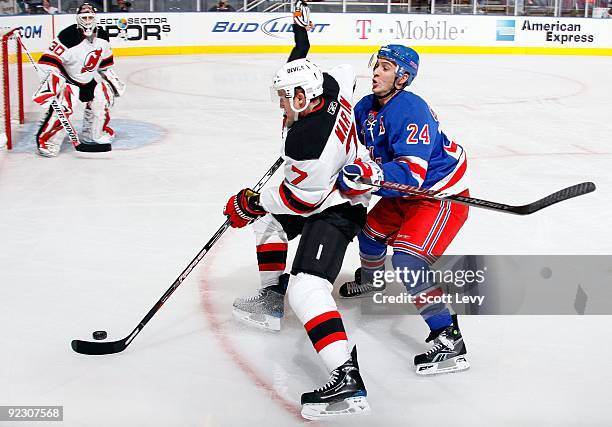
77 58
316 149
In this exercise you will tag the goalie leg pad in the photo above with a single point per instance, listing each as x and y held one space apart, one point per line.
51 134
96 117
50 88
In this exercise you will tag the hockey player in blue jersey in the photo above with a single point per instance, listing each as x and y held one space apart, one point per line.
408 146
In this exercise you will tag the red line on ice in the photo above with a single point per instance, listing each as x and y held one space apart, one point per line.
225 343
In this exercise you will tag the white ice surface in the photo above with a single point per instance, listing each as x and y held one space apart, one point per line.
91 242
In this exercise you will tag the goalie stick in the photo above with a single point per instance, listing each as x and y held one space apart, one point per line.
559 196
97 348
57 109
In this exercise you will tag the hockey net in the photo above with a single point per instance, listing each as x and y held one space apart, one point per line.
11 85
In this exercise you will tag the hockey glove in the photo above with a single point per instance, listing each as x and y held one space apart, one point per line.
349 179
243 208
301 14
113 80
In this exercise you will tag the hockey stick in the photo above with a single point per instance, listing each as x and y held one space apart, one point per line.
559 196
65 122
96 348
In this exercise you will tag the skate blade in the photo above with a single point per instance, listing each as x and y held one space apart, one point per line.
456 364
260 321
347 407
46 153
366 295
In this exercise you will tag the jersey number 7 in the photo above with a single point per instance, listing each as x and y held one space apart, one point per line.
301 175
423 136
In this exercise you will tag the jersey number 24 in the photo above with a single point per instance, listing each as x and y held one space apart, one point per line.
415 136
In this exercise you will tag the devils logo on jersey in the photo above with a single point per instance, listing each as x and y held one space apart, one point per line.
91 60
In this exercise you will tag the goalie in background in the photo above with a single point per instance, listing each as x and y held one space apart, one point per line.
78 61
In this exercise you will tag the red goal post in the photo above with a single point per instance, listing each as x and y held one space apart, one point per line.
11 84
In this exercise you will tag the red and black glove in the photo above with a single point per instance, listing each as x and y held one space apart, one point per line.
243 208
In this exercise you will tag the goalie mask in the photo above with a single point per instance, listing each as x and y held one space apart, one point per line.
86 19
300 73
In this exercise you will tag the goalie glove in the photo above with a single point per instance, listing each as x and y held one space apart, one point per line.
114 82
301 14
350 177
243 208
50 88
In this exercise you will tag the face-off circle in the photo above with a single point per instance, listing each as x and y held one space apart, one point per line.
99 335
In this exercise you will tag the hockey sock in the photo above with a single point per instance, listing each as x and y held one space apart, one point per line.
311 301
272 260
414 272
271 246
372 254
283 283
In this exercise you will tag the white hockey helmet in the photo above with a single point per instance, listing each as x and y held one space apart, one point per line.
86 19
300 73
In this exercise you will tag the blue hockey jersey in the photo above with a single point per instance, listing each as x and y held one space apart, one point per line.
405 138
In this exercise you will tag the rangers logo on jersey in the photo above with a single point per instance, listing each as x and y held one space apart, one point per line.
91 60
371 122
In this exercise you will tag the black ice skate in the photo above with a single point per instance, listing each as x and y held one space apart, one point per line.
264 310
446 355
357 289
344 394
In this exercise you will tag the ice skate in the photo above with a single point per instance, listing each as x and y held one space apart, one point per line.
446 355
50 138
50 149
344 394
266 309
357 289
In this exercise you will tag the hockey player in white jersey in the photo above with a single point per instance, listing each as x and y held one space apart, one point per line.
79 62
320 141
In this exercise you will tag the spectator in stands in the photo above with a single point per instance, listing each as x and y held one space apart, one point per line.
39 7
21 7
71 6
222 6
121 6
48 8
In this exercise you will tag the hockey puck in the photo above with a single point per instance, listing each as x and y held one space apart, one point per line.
99 335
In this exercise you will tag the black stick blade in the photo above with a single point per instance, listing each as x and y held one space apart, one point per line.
93 148
98 348
559 196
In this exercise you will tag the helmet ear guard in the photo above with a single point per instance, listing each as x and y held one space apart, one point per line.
288 93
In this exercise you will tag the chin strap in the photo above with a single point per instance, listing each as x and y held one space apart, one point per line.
392 91
297 112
